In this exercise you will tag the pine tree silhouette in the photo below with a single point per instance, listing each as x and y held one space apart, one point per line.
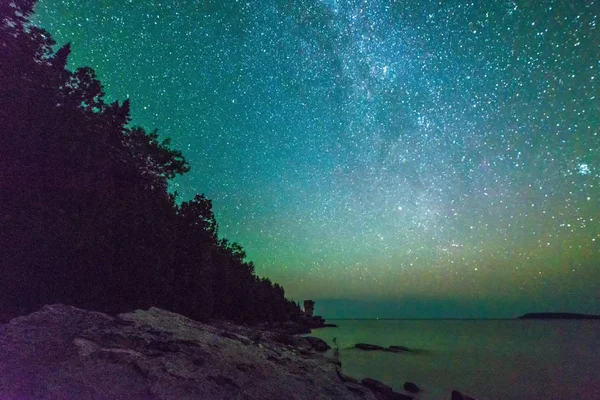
85 215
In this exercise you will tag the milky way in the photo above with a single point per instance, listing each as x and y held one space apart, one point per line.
375 149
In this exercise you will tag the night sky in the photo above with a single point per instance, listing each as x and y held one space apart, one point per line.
408 158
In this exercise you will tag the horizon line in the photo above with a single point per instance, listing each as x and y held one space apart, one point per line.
419 319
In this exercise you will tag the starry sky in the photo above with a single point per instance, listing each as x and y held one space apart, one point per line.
390 158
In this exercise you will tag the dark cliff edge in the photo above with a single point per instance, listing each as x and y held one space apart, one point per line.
558 315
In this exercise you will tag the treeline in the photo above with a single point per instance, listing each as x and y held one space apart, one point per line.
85 215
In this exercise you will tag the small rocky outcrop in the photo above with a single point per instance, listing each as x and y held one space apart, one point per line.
397 349
345 378
309 307
367 346
63 352
411 387
315 343
295 328
384 390
456 395
312 322
558 315
390 349
301 343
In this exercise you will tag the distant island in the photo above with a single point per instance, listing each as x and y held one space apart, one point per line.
558 315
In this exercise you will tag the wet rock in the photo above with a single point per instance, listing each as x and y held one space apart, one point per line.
397 349
367 346
345 378
388 350
399 396
376 385
402 348
316 343
411 387
456 395
383 390
357 388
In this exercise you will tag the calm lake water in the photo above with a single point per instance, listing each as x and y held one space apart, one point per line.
487 359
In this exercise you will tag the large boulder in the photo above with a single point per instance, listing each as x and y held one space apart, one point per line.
63 352
305 343
316 343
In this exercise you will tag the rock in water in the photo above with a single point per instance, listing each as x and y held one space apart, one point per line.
399 348
344 377
411 387
376 386
384 390
367 346
456 395
63 352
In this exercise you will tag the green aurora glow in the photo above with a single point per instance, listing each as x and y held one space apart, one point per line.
381 150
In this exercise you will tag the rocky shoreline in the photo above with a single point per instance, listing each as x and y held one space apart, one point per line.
69 353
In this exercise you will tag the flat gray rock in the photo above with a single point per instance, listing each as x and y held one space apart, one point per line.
63 352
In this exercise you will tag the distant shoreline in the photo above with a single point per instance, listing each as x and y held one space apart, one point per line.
558 315
522 317
419 319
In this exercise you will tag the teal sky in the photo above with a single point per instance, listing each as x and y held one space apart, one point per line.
410 156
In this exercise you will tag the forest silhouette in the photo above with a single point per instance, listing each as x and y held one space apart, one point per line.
86 217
